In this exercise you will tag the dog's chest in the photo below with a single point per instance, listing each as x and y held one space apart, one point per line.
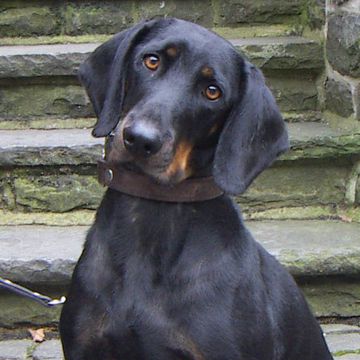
162 292
160 280
167 322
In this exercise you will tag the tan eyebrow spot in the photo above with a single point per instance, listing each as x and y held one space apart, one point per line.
172 51
207 71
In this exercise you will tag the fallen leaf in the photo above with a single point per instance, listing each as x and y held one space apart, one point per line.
345 218
37 335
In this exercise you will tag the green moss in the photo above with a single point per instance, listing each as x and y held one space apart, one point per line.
305 116
229 33
330 212
312 16
47 124
346 352
351 214
256 31
72 218
58 39
350 124
30 350
326 147
58 193
293 213
86 217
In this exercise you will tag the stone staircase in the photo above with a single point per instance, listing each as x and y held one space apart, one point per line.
305 209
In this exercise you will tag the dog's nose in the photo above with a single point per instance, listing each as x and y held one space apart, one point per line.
142 140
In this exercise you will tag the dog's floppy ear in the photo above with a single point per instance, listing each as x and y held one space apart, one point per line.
103 75
253 136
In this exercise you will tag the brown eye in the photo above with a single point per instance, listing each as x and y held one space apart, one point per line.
152 62
212 92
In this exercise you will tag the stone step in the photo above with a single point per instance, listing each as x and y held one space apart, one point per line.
75 18
51 123
55 171
273 53
241 31
77 146
63 98
84 217
41 255
324 257
39 80
343 341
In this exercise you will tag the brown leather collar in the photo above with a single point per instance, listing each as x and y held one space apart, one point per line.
131 183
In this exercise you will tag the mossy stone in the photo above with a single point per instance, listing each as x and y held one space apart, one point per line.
58 193
339 97
302 185
293 93
199 12
30 101
343 43
28 21
312 212
233 12
106 17
287 54
70 218
47 124
313 14
324 147
333 296
16 311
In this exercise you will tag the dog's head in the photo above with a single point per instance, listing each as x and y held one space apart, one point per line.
178 101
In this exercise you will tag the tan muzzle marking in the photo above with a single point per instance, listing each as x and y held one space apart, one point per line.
180 162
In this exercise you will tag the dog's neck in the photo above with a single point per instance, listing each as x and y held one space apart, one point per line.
139 185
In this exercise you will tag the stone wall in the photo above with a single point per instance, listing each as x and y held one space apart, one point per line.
342 87
38 17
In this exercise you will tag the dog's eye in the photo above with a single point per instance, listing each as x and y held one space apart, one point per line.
212 92
152 62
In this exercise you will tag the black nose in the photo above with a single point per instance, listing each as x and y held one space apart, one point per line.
142 140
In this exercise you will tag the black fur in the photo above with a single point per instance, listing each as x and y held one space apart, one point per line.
168 281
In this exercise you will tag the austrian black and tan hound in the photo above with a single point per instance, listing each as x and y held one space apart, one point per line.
169 271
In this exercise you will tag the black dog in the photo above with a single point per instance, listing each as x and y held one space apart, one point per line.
169 270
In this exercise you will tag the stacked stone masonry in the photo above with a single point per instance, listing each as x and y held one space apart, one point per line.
343 55
24 18
55 171
40 81
38 86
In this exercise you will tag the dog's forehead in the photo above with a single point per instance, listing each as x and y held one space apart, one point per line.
196 42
